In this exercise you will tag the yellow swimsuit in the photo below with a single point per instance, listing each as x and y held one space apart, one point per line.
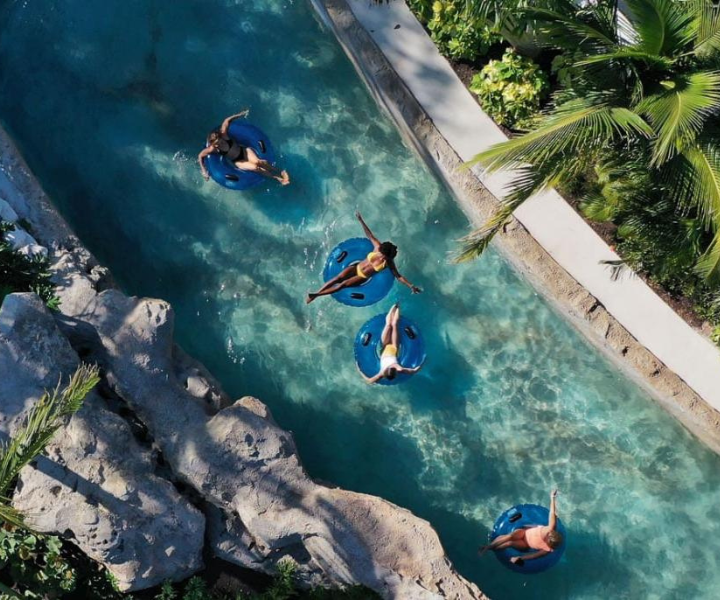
369 258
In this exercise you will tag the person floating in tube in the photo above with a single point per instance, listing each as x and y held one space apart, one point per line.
382 256
243 157
541 539
390 340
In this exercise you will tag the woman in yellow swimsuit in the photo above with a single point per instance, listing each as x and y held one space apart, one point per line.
389 365
380 258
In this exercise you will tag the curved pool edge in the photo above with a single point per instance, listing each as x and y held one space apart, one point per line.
380 540
517 245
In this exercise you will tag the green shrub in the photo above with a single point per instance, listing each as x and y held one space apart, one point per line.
510 89
35 563
456 32
18 273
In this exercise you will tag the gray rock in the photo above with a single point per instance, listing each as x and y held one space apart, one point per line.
97 484
265 507
6 212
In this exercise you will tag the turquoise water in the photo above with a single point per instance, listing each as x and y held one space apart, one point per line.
110 102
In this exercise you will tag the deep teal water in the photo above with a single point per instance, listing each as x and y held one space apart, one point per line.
110 101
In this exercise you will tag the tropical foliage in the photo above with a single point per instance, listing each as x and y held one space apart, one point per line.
19 273
644 93
455 29
510 89
283 587
34 563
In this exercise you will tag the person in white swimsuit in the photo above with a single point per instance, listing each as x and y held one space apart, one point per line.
389 365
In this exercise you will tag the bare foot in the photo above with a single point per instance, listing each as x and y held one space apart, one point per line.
285 178
310 298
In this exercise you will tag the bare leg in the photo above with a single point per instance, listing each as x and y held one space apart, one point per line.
352 282
255 163
516 539
387 332
395 333
341 276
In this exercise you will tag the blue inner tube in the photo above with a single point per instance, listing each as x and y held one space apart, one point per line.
226 173
351 252
524 515
368 348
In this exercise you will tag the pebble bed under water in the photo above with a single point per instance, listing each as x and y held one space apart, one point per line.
110 102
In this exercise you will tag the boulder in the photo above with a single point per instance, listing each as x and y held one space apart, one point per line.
96 486
263 506
6 212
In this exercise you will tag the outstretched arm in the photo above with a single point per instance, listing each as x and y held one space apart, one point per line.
368 233
401 279
231 118
201 159
413 369
552 521
373 379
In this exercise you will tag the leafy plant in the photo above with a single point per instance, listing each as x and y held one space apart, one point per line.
41 423
19 273
34 562
510 89
456 30
167 592
282 588
649 94
196 589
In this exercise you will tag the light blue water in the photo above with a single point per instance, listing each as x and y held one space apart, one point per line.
110 102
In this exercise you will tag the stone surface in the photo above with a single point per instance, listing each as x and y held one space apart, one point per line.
6 212
97 484
265 507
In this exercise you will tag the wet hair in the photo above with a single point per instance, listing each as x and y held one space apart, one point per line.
213 137
388 249
391 373
554 539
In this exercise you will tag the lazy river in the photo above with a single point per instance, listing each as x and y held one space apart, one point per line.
110 102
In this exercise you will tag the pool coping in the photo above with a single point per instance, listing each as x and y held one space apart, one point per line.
402 68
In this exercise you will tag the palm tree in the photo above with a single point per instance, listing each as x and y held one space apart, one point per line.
645 90
41 424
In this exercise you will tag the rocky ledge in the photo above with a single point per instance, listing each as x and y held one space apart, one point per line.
159 463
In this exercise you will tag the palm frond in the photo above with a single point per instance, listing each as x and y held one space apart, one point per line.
694 182
476 242
628 54
41 423
568 27
708 266
679 113
574 126
9 515
705 33
662 26
527 182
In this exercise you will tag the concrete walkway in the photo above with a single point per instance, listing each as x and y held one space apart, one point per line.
550 220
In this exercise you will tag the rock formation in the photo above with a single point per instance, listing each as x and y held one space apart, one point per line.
96 486
161 432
